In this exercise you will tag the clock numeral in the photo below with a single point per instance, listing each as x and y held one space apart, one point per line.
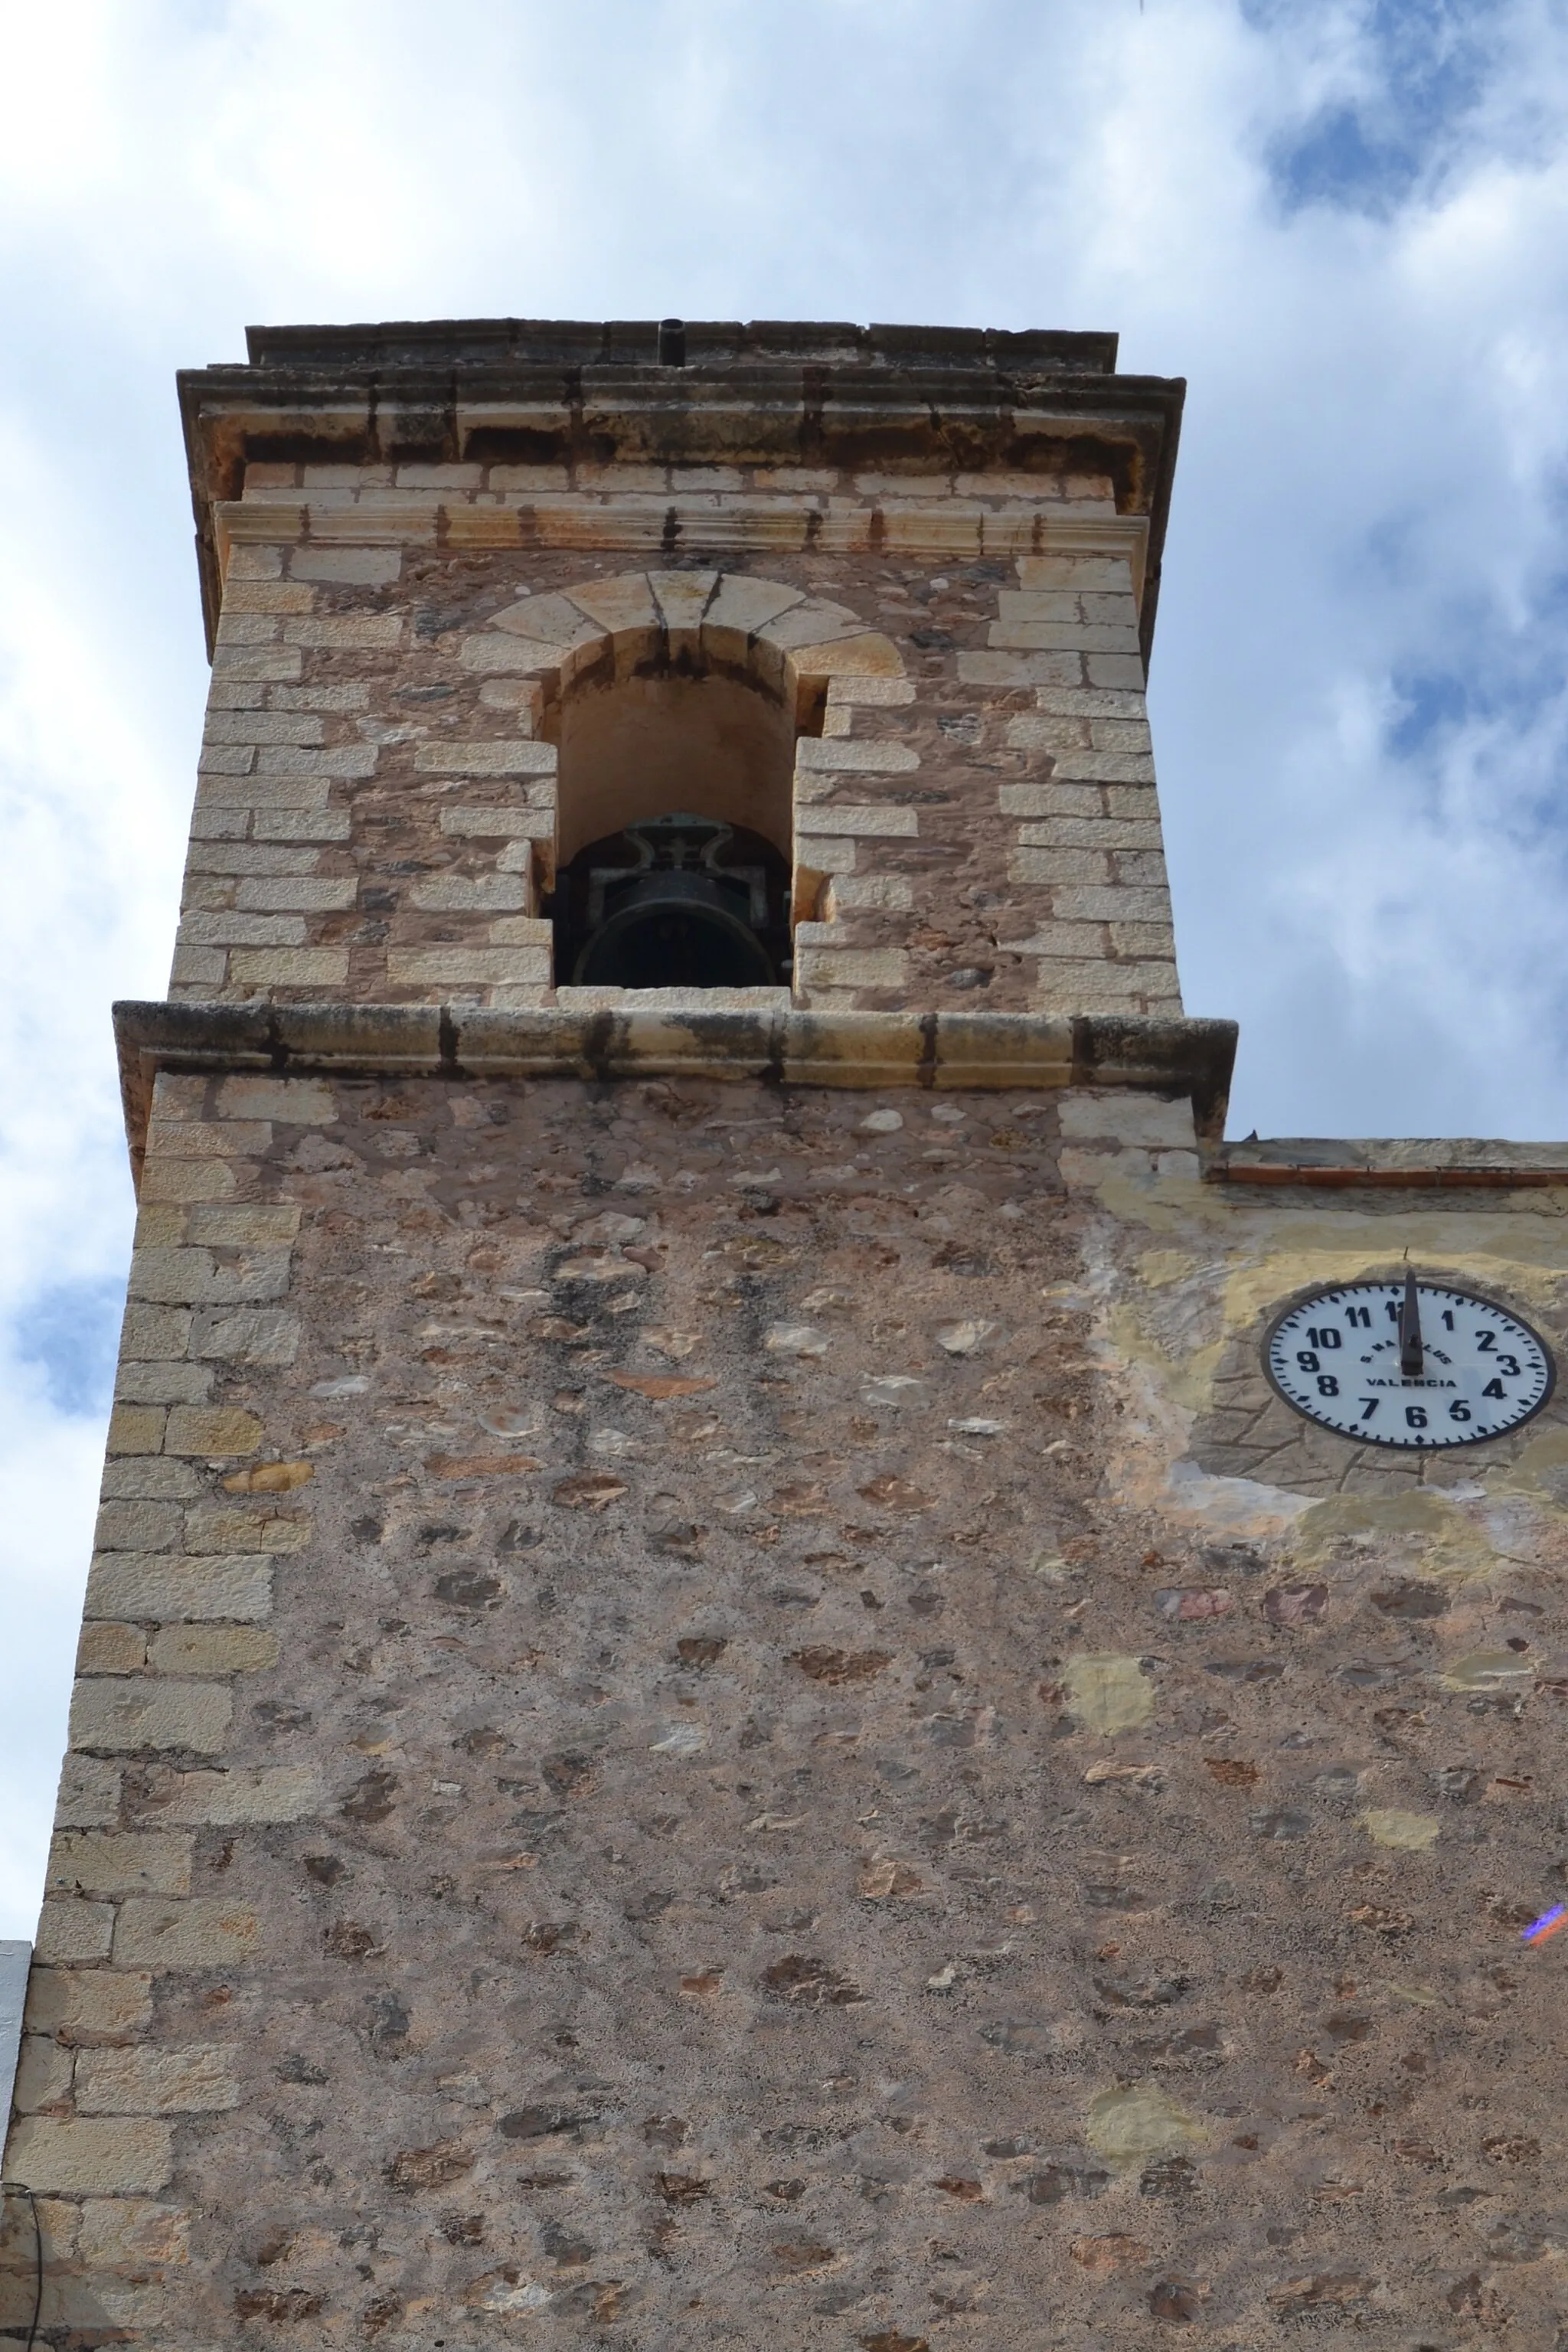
1327 1384
1359 1317
1447 1318
1415 1416
1509 1367
1494 1389
1486 1342
1459 1410
1327 1339
1369 1406
1307 1360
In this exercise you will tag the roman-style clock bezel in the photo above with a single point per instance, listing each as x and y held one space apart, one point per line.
1435 1296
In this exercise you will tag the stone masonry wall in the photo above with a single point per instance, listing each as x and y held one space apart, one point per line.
691 1730
976 819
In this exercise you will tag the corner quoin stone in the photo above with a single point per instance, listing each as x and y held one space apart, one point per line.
91 2156
122 1718
204 1933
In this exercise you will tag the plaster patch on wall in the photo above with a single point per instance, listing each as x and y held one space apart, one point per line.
1124 2127
1158 1267
1107 1693
1405 1833
1448 1542
1236 1506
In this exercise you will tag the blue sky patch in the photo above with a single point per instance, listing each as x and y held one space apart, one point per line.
1428 704
71 1332
1416 73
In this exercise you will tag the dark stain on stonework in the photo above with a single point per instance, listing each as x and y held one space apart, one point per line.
548 2122
1410 1597
809 1983
370 1798
1058 2182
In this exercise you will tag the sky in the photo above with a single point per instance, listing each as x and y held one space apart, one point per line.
1345 222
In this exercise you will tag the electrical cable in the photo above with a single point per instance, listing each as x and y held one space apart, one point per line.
16 2188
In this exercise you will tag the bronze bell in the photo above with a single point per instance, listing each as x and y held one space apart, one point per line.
676 918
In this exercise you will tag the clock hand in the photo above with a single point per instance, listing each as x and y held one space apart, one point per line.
1412 1357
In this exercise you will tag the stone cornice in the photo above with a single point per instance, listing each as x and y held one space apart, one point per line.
918 403
945 1051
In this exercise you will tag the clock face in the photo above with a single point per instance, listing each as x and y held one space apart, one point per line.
1408 1363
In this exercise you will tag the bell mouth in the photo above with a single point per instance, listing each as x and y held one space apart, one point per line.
678 902
667 938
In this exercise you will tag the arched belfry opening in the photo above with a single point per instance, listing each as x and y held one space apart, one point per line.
676 832
675 826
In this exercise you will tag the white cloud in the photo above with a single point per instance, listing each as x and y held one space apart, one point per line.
1359 688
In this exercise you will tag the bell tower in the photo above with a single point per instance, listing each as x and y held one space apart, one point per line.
576 1726
880 600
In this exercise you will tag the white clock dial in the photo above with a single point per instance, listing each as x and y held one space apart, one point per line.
1408 1363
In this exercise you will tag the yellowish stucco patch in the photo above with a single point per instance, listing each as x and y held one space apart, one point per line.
1158 1267
1480 1670
1106 1693
1419 1996
1407 1832
1450 1543
1126 2125
1528 1256
1418 1513
1188 1381
1162 1205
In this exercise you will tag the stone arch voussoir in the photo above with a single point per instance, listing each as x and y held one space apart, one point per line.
787 639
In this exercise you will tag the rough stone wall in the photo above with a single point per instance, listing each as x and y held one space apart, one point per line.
688 1733
975 820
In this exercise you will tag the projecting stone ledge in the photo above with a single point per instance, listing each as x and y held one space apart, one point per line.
1441 1162
940 1050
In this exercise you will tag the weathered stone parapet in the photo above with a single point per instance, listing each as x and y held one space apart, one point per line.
1444 1162
817 438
